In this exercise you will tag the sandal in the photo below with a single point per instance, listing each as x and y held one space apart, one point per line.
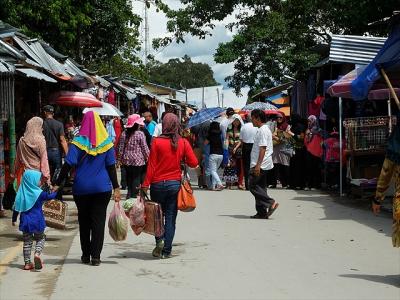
28 267
272 209
241 187
38 262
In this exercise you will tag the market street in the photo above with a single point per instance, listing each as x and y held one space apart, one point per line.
312 248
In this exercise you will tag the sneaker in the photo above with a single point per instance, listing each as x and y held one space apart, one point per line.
166 256
259 216
272 209
38 262
158 249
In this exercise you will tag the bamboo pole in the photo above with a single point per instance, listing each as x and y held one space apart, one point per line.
392 91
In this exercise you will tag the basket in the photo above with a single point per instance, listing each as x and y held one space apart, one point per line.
367 134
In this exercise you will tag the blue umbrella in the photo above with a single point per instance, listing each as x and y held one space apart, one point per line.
204 115
260 105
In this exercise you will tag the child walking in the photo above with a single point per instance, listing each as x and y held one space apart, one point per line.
28 203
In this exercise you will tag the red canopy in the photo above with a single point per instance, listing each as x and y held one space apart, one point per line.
342 88
76 99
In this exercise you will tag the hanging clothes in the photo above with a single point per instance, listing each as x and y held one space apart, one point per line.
111 97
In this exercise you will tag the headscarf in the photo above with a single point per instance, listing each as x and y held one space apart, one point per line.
284 124
313 126
32 148
236 117
93 137
33 135
29 191
171 128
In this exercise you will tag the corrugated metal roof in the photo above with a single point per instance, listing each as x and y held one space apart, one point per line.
36 74
5 67
354 49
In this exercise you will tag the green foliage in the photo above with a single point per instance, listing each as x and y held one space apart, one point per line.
178 74
274 37
97 33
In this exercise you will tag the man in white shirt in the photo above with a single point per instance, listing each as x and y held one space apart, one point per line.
260 163
247 134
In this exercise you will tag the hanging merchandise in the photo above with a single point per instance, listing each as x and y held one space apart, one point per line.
111 97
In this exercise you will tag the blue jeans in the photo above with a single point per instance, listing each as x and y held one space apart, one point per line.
54 157
166 193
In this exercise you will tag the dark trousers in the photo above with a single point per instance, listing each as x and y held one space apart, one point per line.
55 163
258 187
166 193
297 168
280 172
246 150
313 171
123 177
92 211
134 178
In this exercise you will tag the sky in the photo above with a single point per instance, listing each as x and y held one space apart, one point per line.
199 50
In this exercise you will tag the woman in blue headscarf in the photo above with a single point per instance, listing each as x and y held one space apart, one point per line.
28 202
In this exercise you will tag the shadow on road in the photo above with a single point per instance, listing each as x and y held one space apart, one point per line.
387 279
352 210
136 255
236 216
18 237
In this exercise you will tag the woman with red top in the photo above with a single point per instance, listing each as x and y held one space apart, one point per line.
164 177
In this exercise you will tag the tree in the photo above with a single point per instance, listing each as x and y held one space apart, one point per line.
273 38
96 33
177 73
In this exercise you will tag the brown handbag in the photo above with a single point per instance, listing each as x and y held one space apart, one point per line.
186 200
55 214
154 221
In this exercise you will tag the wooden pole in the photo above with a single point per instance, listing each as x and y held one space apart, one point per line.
392 91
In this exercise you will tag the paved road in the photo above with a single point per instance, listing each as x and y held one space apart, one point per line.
312 248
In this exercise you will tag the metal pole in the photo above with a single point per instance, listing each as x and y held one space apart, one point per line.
186 95
146 33
340 148
222 99
202 99
218 96
390 114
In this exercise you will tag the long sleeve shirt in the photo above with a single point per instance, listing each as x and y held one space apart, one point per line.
32 221
165 162
133 151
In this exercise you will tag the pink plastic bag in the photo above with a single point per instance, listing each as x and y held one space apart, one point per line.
118 223
137 216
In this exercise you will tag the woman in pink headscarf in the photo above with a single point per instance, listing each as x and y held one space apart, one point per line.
31 151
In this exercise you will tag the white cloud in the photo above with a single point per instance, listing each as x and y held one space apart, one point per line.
199 50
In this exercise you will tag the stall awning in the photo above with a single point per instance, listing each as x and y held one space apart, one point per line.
353 49
36 74
388 59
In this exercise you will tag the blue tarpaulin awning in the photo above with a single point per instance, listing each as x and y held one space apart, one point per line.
387 58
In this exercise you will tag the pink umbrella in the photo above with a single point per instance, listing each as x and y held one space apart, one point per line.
75 99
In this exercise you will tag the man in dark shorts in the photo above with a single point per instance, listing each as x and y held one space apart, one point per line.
53 131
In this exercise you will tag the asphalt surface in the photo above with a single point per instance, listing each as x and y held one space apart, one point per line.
313 247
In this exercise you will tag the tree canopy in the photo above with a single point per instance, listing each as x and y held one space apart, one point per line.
181 73
273 38
100 34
